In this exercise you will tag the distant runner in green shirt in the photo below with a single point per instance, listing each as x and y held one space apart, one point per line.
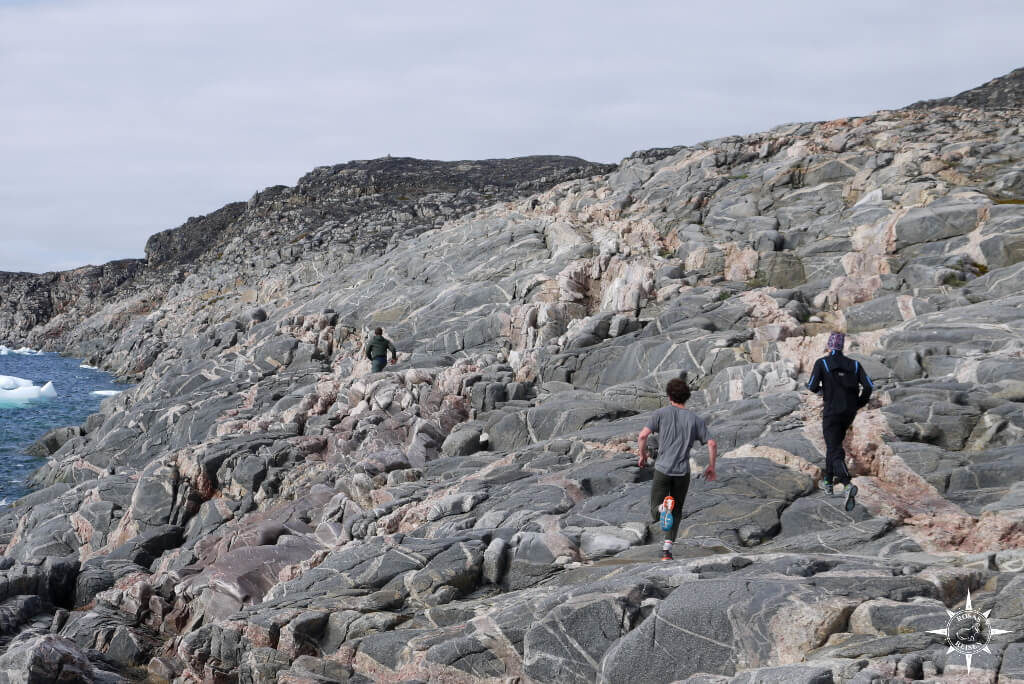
377 350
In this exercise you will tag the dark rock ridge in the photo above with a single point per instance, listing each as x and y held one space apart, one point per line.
1005 92
262 508
182 245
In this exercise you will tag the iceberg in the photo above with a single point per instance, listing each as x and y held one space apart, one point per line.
9 382
105 393
15 392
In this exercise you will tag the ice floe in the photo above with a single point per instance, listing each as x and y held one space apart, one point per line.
105 393
19 391
9 382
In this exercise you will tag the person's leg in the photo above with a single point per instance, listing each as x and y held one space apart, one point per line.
851 489
832 430
660 488
379 363
841 424
827 430
847 424
680 485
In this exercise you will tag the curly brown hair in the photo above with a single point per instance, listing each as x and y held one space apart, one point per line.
677 390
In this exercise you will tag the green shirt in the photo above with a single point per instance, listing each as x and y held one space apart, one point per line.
379 346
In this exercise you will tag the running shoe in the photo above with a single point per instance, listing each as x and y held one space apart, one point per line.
851 496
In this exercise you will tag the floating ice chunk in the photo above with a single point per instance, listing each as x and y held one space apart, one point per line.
9 382
105 393
27 393
88 367
16 392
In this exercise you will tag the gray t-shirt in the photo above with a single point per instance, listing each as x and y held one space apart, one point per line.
677 430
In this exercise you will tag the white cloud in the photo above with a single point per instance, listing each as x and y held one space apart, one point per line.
124 118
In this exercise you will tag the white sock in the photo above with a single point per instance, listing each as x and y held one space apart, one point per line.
667 546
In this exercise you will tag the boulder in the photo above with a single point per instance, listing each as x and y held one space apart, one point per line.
739 621
462 442
47 658
780 269
566 643
495 560
52 441
598 542
938 221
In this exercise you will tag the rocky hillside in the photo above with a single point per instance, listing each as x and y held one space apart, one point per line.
262 508
334 215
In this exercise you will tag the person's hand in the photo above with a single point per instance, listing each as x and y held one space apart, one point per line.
394 361
641 461
709 473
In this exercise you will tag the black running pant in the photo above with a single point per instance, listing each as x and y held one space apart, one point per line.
834 429
665 485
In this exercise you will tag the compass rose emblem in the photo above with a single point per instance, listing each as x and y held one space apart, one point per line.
968 631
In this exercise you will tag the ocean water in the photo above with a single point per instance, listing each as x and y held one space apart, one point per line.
22 423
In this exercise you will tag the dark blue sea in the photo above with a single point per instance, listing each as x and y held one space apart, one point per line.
21 422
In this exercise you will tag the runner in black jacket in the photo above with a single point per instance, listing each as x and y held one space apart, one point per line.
845 387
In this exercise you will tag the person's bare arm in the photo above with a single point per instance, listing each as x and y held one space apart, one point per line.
709 472
642 443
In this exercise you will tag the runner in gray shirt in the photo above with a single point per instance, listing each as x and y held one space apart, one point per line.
678 428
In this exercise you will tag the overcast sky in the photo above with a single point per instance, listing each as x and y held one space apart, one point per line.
122 118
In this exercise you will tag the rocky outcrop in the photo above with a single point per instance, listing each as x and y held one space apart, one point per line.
1005 92
32 301
261 507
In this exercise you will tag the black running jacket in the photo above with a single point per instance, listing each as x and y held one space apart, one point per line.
843 382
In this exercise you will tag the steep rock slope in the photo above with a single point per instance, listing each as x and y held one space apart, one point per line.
341 212
261 508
